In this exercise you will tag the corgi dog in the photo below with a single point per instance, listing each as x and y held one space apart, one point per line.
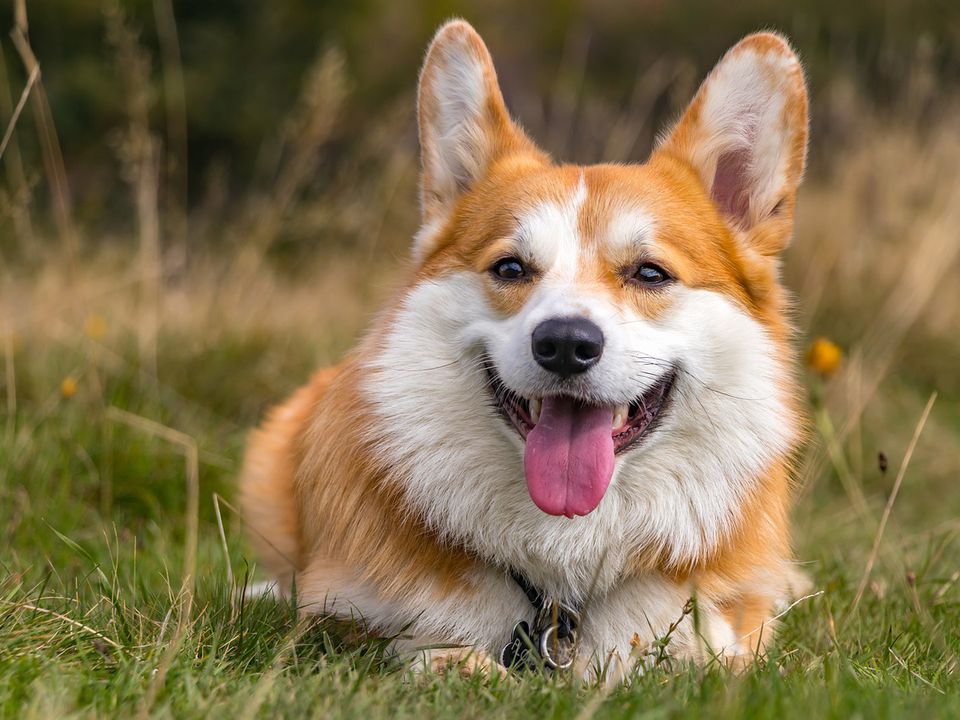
580 411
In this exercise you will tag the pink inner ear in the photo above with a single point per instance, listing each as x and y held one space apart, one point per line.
731 183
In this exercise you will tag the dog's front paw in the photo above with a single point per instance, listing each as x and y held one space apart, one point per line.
466 661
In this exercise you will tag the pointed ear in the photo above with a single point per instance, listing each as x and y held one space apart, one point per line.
464 124
745 134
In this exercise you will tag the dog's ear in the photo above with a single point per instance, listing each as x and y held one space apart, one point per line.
464 124
745 134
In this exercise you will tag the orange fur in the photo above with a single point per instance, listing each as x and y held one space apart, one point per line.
349 509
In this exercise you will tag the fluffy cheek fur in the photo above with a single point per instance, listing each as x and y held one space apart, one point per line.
677 496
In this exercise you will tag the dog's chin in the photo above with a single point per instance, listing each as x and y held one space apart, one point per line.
631 422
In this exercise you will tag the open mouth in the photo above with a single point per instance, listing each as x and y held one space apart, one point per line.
571 444
628 425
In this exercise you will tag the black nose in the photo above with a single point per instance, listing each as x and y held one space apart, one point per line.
567 346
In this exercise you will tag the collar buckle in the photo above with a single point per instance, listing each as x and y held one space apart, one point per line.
557 624
553 637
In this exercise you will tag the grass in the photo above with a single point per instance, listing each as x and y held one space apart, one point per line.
97 619
131 375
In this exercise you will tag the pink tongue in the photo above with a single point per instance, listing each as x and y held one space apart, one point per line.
569 457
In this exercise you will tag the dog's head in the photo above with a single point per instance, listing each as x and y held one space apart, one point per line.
596 329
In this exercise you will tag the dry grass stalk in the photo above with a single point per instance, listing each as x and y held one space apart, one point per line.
191 455
35 73
223 540
70 621
850 482
19 195
239 514
49 143
891 500
192 517
139 152
175 107
780 615
297 151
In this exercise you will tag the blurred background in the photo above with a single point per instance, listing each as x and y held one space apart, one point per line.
201 202
230 91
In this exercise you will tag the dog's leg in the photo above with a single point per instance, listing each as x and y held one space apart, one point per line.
436 628
646 621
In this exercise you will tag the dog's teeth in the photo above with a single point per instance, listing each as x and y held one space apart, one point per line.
535 405
620 415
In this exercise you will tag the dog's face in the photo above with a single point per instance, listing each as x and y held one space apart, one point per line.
602 341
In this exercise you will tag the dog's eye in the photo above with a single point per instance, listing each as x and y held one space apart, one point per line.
509 269
650 274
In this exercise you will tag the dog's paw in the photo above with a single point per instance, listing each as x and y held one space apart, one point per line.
465 661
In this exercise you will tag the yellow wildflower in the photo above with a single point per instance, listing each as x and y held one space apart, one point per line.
824 356
68 387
